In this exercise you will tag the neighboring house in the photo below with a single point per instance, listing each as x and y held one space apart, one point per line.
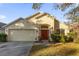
34 28
2 30
75 27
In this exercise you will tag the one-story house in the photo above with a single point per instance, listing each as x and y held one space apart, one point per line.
37 27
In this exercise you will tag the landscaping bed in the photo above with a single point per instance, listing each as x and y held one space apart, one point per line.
63 49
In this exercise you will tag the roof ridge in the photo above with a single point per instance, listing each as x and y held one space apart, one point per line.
41 15
20 18
33 15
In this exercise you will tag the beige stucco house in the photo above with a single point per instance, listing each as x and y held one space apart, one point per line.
37 27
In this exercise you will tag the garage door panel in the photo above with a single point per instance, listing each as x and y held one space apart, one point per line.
22 35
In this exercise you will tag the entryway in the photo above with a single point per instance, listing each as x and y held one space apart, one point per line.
44 32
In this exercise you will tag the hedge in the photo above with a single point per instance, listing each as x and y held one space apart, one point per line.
61 38
55 37
3 37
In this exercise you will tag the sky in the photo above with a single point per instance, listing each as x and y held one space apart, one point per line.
12 11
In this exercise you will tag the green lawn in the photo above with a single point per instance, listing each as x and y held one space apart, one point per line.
67 49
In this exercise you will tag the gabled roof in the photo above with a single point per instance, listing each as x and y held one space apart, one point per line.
13 22
41 15
32 15
38 15
21 19
1 25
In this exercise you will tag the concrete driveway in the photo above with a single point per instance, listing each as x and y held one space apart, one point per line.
15 48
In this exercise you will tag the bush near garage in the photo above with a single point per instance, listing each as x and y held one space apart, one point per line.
3 37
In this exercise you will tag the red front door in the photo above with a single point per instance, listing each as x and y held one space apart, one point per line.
44 34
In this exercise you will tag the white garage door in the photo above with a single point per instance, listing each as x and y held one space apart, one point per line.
22 35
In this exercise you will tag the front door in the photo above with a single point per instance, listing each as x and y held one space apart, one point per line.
44 34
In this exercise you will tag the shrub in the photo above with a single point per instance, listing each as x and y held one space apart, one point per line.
62 39
71 36
70 39
55 37
3 37
66 38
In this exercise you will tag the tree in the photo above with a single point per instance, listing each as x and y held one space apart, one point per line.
72 14
36 6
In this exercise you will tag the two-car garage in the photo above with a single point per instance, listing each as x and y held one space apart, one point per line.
22 35
21 30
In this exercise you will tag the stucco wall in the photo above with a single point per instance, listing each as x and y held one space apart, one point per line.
44 20
25 26
22 24
65 27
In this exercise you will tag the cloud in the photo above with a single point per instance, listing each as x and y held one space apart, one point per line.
2 17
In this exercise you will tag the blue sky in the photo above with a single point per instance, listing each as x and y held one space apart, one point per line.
11 11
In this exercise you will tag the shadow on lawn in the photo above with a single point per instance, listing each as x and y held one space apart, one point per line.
36 48
66 52
55 50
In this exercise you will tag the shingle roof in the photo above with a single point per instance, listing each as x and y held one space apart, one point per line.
2 24
13 22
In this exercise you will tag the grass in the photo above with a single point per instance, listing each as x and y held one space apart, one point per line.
67 49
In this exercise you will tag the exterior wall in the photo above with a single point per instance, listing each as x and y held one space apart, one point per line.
33 19
21 24
45 20
65 27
